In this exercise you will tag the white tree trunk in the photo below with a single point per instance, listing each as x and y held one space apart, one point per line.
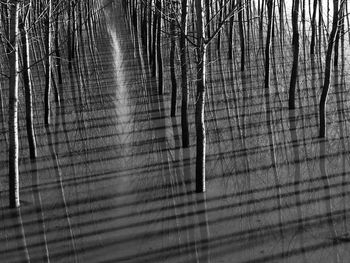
13 107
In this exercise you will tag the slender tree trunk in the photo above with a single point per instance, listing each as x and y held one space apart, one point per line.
241 33
73 32
13 107
69 36
295 44
261 19
184 87
206 11
230 37
23 25
5 25
222 13
149 43
144 26
282 25
200 100
172 61
159 47
338 35
48 74
328 68
57 51
270 4
313 28
154 41
347 19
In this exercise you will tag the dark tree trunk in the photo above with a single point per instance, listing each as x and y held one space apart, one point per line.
241 33
282 25
69 36
270 4
159 47
172 62
184 87
149 43
58 58
313 28
295 44
23 25
328 68
154 41
200 100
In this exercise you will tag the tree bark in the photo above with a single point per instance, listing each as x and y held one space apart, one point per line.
159 47
184 87
23 25
154 41
295 44
48 75
313 28
149 31
338 35
172 61
270 4
328 68
200 100
241 33
230 37
13 107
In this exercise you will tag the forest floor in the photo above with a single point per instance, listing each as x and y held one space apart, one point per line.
113 184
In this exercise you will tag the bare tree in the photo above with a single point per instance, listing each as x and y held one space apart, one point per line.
48 62
295 44
328 67
184 86
13 106
313 28
200 100
173 12
23 26
159 46
241 32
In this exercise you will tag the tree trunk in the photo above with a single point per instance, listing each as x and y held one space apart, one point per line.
23 25
172 61
48 75
57 51
313 28
230 37
241 33
149 31
154 35
200 100
13 107
159 47
184 87
69 36
281 21
270 4
295 44
328 68
337 38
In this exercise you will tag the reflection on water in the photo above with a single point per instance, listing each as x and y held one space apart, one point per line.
112 184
